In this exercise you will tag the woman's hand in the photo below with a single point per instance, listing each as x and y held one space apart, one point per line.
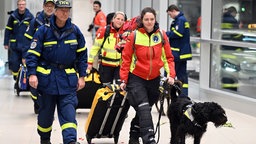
170 80
123 86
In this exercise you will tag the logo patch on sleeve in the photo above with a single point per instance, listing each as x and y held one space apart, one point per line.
33 45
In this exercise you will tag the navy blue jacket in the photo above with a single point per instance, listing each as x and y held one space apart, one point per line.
15 29
35 23
56 55
179 38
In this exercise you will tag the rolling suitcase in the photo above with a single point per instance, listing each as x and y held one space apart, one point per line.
107 114
92 84
21 83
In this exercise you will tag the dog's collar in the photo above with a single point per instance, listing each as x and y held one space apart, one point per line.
188 114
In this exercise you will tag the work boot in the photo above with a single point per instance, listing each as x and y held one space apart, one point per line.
74 143
134 141
45 142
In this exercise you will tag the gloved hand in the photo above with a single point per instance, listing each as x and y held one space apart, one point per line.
120 46
91 26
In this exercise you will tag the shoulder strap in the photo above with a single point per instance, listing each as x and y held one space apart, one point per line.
162 38
106 35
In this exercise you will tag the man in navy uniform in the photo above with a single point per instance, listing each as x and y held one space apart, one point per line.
57 63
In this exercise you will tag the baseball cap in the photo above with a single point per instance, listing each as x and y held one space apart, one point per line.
63 3
46 1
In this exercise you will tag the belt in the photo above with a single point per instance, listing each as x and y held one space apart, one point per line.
60 66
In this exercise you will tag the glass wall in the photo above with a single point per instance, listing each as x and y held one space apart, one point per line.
233 58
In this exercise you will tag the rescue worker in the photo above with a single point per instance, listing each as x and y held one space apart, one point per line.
179 39
56 50
99 19
17 24
41 18
146 51
110 59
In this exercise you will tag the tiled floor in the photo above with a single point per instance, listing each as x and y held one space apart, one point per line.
18 123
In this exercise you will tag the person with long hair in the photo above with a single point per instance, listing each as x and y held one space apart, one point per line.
146 51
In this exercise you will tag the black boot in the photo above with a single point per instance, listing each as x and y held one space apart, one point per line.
45 142
134 141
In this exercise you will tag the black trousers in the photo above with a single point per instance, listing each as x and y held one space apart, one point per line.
142 94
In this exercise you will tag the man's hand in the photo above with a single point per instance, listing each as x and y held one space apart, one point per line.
6 47
81 83
33 81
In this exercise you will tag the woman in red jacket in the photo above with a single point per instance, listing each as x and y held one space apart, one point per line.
146 51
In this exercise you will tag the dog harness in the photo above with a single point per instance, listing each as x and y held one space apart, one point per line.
189 115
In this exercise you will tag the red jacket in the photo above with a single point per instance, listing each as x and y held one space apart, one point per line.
145 56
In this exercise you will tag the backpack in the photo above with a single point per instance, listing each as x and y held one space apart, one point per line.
106 35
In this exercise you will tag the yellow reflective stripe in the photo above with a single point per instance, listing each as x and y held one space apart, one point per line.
50 43
15 21
28 36
176 32
43 70
175 49
70 41
15 73
227 25
9 28
228 56
186 24
26 22
109 50
34 52
33 97
45 130
68 125
81 49
185 85
70 70
185 56
12 40
235 85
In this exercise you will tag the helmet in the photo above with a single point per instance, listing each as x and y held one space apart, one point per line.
63 3
46 1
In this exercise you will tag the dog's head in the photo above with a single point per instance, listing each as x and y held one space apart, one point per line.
212 112
175 90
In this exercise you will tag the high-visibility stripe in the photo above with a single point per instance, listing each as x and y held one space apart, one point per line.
70 41
227 25
185 56
34 52
186 24
72 70
228 56
26 22
185 85
50 43
9 28
12 40
15 22
81 49
45 130
235 85
176 32
15 73
43 70
28 36
69 125
33 97
175 49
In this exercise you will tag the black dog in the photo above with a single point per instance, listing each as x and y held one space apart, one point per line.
190 118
